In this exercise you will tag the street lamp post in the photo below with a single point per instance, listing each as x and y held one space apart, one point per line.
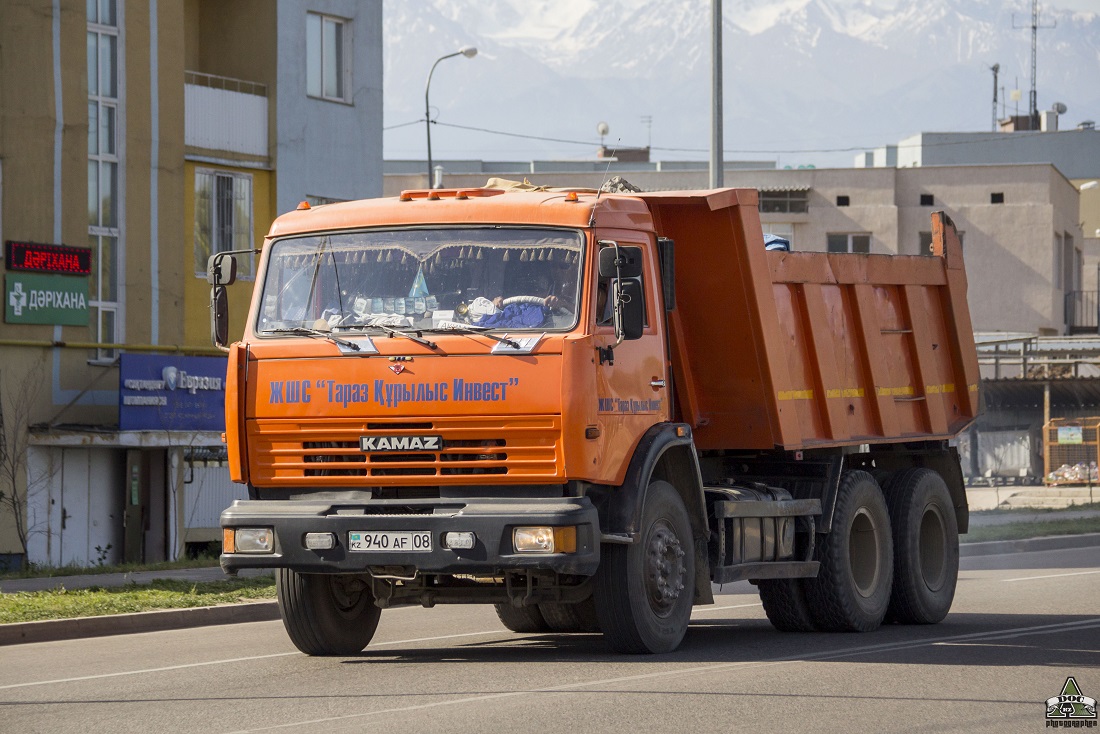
467 51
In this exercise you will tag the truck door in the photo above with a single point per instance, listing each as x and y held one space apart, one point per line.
631 387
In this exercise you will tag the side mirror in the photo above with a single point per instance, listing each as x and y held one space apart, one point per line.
219 316
221 269
620 262
633 319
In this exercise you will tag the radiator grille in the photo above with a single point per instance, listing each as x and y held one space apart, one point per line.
328 452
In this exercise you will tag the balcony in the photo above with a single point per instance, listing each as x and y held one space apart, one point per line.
225 115
1081 312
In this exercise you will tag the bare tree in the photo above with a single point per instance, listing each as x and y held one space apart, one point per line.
17 488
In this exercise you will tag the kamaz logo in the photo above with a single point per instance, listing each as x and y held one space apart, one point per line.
400 443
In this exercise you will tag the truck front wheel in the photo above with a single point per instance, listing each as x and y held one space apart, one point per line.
644 591
852 589
926 547
326 614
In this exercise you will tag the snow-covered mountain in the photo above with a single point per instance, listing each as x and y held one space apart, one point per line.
806 81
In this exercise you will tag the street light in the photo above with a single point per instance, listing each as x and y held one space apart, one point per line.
467 51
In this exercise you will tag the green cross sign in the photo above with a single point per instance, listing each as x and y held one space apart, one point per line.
45 299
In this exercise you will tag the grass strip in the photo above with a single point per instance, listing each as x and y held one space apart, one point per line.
31 606
35 572
1034 529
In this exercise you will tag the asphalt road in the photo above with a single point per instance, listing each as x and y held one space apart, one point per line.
1021 624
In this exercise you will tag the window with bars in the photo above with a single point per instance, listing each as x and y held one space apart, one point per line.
326 71
223 217
784 202
104 227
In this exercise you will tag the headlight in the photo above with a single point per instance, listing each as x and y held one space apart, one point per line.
248 540
545 540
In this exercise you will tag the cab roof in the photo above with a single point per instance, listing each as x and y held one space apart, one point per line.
560 208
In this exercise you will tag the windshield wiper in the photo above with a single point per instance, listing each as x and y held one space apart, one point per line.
482 330
391 331
303 331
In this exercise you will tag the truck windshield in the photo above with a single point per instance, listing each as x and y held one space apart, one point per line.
486 277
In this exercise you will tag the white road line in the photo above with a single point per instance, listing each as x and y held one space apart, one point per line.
703 610
1052 576
145 670
232 660
697 670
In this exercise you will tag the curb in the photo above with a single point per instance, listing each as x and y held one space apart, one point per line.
124 624
1028 545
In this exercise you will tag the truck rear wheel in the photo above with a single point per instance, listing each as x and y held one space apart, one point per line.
926 547
521 619
326 614
579 617
786 605
644 591
852 590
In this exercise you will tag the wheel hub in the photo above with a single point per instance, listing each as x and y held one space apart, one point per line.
664 568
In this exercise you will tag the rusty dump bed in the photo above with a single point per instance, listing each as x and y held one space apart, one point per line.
808 349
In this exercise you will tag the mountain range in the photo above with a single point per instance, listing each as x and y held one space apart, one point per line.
806 82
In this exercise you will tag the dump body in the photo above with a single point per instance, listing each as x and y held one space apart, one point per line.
798 350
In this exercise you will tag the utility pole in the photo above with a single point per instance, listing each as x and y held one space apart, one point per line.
716 162
995 69
1033 107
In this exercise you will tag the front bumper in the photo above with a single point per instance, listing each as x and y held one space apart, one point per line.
491 519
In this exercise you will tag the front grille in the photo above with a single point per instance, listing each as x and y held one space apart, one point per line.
328 452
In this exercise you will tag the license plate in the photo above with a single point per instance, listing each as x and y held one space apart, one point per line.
390 541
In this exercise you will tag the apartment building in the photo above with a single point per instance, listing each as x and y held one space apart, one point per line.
137 137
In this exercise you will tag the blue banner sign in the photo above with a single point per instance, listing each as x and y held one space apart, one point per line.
171 393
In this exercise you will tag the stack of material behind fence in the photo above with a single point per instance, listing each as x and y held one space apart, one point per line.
1070 450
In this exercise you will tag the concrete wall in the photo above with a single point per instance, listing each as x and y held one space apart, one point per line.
1076 153
325 148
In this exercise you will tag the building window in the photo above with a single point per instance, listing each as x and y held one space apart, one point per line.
848 242
784 202
843 200
927 200
925 244
322 200
325 67
103 173
223 217
997 197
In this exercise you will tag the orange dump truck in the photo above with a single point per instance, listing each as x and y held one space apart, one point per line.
587 408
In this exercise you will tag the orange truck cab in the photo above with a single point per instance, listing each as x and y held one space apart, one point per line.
584 408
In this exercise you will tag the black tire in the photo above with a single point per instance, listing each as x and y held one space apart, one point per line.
852 589
579 617
786 605
521 619
926 547
326 614
645 590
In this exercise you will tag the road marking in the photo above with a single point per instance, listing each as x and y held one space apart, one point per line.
700 670
1053 576
718 609
230 660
